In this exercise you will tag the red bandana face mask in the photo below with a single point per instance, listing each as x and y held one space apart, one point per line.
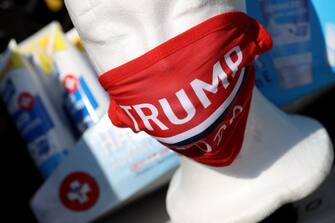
193 92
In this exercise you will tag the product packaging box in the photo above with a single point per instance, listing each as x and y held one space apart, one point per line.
301 64
90 167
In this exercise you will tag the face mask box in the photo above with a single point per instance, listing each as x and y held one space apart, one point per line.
108 167
301 64
105 169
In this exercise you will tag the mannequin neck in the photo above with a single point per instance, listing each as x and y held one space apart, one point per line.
261 114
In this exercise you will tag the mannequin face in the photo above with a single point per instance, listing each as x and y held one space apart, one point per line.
115 32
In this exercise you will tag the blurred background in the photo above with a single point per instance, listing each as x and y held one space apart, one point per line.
19 19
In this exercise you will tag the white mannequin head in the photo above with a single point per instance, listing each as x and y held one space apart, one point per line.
283 158
123 30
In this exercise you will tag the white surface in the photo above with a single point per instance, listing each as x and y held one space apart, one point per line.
283 159
319 207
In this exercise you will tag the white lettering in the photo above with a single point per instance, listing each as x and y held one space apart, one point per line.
236 111
208 148
233 66
201 145
219 134
126 109
233 60
199 86
185 102
152 117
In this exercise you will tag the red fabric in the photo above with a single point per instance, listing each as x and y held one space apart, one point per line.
187 93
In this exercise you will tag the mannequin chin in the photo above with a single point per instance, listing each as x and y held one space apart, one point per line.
283 157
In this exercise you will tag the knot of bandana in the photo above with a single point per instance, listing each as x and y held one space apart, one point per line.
193 92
